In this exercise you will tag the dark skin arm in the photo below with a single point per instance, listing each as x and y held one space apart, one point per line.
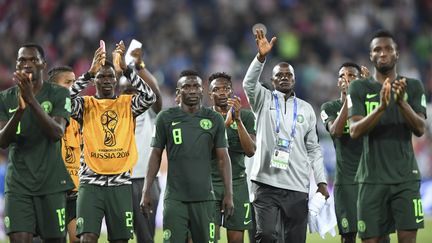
9 128
337 126
149 78
224 165
118 57
247 141
153 168
54 127
415 121
360 125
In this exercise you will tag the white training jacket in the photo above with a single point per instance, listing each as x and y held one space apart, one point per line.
306 153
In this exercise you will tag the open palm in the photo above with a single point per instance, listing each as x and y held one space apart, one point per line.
264 46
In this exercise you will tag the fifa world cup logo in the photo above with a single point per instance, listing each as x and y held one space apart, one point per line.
109 121
69 156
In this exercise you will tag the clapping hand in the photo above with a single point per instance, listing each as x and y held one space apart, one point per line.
119 57
385 93
25 85
364 72
399 88
98 60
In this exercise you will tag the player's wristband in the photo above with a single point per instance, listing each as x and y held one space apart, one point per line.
140 66
88 76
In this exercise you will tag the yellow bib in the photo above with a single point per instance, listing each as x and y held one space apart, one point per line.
109 137
71 150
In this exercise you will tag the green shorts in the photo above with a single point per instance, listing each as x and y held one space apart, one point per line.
40 215
70 209
113 202
384 208
180 218
345 197
241 220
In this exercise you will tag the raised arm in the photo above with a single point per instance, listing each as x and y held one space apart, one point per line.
82 82
148 77
145 97
251 85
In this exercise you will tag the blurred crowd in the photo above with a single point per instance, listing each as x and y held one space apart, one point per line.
316 37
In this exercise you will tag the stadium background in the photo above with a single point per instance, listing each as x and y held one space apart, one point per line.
316 37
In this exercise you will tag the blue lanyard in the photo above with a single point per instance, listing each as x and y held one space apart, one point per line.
293 127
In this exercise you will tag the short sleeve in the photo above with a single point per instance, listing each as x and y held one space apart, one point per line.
355 100
249 122
328 113
3 109
416 96
62 105
159 134
220 136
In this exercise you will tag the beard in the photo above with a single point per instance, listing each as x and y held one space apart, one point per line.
385 69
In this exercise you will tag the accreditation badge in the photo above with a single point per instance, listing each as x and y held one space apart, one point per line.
281 153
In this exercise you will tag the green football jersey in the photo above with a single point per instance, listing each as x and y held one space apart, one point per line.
388 155
190 141
348 150
235 149
35 165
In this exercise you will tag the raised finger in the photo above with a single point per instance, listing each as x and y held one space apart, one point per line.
259 34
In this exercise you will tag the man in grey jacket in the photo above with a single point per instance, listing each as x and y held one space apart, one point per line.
288 151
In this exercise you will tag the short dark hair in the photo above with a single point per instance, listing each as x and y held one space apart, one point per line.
383 34
185 73
53 72
37 47
220 75
351 64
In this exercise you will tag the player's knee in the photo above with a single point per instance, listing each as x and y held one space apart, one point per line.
89 238
20 237
235 236
349 237
384 239
406 235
